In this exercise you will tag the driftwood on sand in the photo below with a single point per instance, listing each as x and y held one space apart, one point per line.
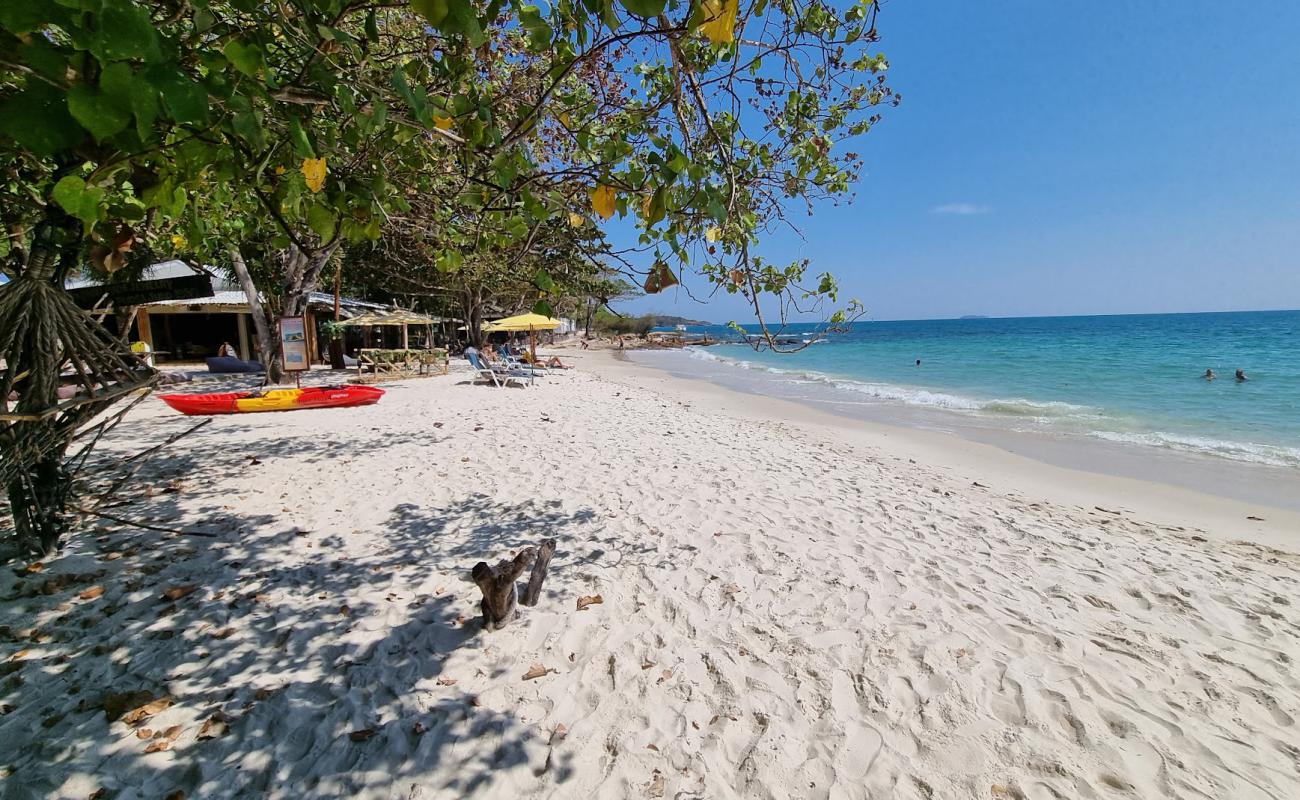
500 594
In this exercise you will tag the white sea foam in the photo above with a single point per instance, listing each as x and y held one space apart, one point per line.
1015 412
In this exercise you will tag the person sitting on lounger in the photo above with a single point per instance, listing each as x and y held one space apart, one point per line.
554 361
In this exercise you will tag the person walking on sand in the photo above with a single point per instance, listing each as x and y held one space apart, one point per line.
1241 376
1209 374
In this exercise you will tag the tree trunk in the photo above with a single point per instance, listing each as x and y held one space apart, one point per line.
500 595
37 499
472 301
498 587
263 325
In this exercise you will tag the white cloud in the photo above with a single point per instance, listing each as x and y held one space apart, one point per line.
960 209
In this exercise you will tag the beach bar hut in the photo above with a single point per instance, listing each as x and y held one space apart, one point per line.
393 318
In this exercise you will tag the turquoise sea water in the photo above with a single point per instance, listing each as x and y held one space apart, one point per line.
1134 378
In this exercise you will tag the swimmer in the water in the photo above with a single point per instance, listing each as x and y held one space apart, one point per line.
1241 376
1209 374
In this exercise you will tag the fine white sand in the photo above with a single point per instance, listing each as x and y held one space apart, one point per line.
792 607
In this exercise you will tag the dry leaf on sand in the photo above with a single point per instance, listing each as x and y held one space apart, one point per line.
92 593
656 787
213 727
537 671
589 600
559 733
362 735
177 592
444 681
158 745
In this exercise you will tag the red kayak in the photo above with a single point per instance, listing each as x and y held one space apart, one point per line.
274 400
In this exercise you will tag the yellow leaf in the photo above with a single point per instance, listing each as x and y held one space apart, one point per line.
279 170
576 220
645 205
602 201
178 241
564 119
441 123
313 170
713 234
719 24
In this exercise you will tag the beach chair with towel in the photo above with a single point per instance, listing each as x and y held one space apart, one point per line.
516 363
486 373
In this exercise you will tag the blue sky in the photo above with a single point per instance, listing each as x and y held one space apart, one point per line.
1056 158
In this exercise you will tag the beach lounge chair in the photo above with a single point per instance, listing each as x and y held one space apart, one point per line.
514 362
495 377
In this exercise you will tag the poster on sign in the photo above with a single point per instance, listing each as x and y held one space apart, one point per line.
293 344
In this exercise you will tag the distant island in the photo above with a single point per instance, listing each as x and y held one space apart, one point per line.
974 316
663 321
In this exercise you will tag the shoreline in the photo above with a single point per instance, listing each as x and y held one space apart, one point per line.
986 460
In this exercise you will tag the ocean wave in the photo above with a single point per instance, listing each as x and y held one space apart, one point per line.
1048 415
1272 455
1019 407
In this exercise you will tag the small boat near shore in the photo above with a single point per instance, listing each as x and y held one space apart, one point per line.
785 339
274 400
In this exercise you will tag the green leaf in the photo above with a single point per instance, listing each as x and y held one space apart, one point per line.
78 199
644 8
185 100
539 32
542 307
125 32
463 19
321 220
144 105
100 113
435 11
26 16
656 210
543 280
37 119
247 58
449 261
301 145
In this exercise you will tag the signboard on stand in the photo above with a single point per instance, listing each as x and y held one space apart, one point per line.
293 344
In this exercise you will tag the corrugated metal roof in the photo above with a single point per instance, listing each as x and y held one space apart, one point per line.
237 299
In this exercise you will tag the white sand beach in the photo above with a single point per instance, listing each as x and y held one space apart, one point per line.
791 606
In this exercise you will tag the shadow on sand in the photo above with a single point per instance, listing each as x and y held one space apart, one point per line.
314 674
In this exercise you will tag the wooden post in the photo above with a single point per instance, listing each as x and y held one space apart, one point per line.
245 350
309 327
145 329
534 590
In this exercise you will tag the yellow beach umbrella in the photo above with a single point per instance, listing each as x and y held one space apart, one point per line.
525 322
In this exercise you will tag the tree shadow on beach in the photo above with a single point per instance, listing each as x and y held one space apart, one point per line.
265 663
